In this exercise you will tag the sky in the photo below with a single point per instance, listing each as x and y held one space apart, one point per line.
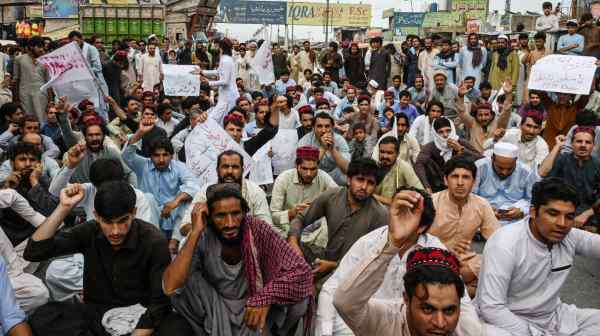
245 32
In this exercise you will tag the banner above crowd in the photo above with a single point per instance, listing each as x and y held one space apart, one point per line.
297 13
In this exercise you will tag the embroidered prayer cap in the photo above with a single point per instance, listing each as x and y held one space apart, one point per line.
290 89
388 94
147 94
305 109
585 129
322 101
307 153
483 106
502 36
374 83
84 104
363 97
506 150
432 257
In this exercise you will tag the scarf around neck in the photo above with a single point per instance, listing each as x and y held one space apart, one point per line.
441 143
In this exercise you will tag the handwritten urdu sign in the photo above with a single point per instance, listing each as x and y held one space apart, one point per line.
180 82
563 73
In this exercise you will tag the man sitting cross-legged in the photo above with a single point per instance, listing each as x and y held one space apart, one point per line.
234 274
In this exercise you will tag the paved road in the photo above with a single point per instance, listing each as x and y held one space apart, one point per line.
583 285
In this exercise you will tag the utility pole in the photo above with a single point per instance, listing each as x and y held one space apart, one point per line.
293 16
327 23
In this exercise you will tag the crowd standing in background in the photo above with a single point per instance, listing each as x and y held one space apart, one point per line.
141 214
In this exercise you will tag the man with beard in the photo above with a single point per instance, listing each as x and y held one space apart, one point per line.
580 169
446 60
526 264
230 169
396 173
533 149
482 122
94 132
307 59
505 183
377 62
351 212
30 76
295 189
354 65
235 276
505 65
473 59
170 181
151 71
425 61
124 258
591 34
446 93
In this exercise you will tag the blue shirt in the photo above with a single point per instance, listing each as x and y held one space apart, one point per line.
10 312
567 40
513 191
410 110
165 185
281 87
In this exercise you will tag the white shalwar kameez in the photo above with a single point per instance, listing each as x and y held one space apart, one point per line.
30 291
520 280
330 323
228 91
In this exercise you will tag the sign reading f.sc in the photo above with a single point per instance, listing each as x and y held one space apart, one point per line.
314 14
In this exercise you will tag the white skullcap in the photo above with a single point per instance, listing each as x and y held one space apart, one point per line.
506 149
503 37
439 73
151 36
374 83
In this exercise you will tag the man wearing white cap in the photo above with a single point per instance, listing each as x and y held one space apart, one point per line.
505 64
446 93
505 183
377 95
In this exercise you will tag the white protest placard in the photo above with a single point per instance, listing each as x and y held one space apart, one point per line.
64 65
179 81
262 172
262 63
203 146
563 73
284 146
71 76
